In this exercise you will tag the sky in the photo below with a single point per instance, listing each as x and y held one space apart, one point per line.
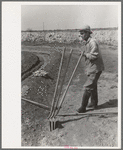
52 17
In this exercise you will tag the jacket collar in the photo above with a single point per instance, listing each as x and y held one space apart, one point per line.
88 40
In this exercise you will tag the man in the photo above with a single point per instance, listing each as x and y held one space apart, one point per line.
93 70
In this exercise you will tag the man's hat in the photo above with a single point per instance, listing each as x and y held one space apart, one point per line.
86 28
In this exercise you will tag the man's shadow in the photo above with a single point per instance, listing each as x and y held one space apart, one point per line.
110 104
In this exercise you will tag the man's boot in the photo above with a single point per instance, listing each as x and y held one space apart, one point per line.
94 99
85 99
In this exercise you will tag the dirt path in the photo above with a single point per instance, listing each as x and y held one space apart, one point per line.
100 130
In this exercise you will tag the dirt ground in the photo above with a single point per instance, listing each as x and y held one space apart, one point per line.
73 131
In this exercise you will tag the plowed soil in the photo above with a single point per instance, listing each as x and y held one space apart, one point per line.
72 131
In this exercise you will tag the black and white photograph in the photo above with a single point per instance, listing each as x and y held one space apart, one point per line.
70 71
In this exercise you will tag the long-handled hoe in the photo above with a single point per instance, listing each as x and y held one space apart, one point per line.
56 111
59 92
54 96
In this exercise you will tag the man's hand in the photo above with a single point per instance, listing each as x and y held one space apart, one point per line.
84 54
80 53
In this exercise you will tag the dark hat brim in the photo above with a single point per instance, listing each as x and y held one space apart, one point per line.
81 30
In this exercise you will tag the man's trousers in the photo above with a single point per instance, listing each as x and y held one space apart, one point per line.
90 87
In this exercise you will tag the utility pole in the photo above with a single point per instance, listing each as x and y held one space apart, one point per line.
43 26
43 31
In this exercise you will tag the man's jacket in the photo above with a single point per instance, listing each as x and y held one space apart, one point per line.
93 57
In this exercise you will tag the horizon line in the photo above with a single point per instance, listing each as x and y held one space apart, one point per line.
33 30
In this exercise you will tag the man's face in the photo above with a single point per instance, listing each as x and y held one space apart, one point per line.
84 35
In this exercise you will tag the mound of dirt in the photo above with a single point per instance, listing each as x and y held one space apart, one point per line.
29 63
28 60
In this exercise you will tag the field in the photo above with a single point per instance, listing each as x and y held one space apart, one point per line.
72 132
104 36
